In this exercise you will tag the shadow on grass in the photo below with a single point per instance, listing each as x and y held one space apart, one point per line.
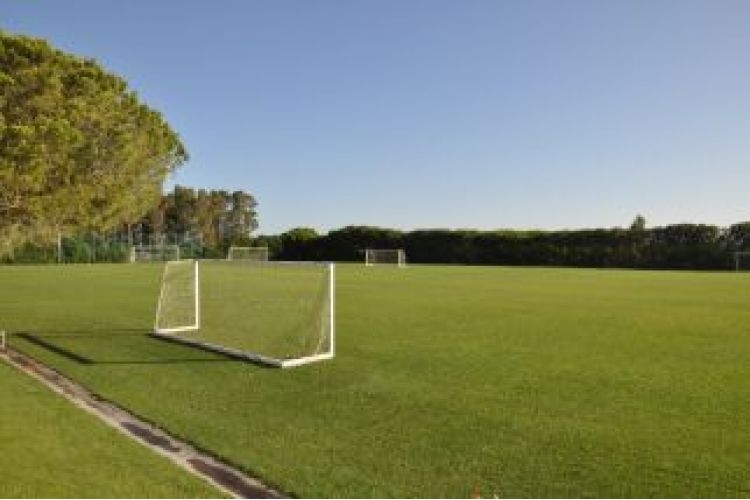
54 348
48 343
102 333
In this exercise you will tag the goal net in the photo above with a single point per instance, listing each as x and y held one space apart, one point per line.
281 314
385 256
154 253
247 253
178 309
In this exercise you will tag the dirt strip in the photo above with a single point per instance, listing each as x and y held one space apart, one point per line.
225 477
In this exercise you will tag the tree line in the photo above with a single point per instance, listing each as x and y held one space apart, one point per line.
677 246
210 219
203 223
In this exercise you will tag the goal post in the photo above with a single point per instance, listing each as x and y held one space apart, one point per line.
154 253
742 261
178 309
280 314
247 253
393 256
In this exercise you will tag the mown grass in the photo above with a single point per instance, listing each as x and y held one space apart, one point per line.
52 449
514 382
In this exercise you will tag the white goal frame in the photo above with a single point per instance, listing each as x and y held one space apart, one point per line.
169 333
160 250
738 257
197 304
400 256
262 250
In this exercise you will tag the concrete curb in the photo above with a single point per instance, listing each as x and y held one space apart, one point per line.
221 475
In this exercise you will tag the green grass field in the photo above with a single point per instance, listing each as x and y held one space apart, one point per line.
517 382
52 449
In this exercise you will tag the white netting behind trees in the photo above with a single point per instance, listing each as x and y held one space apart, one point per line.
154 253
248 253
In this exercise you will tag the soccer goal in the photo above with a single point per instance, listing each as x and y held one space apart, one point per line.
178 309
154 253
248 253
741 261
385 256
278 313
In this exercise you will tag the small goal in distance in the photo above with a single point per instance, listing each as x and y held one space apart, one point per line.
154 253
248 253
392 256
742 261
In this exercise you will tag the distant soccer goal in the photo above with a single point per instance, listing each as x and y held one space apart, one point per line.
375 256
154 253
248 253
277 313
742 261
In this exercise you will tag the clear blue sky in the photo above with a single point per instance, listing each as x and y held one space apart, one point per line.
455 114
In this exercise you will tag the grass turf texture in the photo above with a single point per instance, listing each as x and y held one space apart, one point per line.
52 449
519 382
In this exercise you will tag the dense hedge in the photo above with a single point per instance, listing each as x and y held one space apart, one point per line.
680 246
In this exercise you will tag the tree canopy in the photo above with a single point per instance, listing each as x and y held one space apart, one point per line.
638 224
216 218
78 150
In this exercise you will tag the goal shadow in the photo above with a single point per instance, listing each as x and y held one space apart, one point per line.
64 344
50 346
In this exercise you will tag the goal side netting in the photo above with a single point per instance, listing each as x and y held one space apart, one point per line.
154 253
277 313
247 253
374 256
178 309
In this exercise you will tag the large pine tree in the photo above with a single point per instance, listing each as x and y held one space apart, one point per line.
78 150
